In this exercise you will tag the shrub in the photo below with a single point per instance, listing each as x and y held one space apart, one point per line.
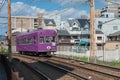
3 50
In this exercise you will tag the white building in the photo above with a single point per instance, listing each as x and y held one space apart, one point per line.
57 19
108 25
111 8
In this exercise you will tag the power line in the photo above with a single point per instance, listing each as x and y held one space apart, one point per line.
3 17
75 6
3 23
2 4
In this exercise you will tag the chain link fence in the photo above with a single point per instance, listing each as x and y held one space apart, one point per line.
100 53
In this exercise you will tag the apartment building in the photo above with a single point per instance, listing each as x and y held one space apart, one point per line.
111 10
23 23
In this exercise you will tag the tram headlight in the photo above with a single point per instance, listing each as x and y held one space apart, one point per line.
48 48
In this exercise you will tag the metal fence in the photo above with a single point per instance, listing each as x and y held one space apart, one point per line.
102 55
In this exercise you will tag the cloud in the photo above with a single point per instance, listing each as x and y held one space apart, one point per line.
69 13
20 8
73 13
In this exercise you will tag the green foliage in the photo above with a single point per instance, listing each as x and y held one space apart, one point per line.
114 64
3 50
86 59
79 58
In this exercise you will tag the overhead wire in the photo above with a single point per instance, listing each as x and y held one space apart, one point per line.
58 12
2 4
67 9
2 24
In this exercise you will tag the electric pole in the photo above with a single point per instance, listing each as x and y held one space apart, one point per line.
9 32
92 31
21 25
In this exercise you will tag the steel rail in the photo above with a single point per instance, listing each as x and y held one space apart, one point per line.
113 75
41 75
57 67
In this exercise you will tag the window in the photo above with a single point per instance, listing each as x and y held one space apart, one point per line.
106 15
53 39
74 24
63 37
115 27
24 40
74 37
34 39
21 41
75 29
35 20
41 39
99 38
100 24
48 39
29 40
18 41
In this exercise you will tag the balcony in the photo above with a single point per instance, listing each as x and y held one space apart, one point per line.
85 32
75 41
85 39
75 32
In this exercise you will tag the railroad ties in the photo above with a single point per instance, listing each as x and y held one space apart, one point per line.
59 68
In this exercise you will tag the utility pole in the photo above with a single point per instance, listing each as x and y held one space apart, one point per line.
9 32
40 18
92 31
21 25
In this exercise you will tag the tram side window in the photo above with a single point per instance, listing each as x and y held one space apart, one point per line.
41 39
34 39
48 39
24 41
53 39
29 40
19 41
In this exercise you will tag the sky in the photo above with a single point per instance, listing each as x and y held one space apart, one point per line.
48 7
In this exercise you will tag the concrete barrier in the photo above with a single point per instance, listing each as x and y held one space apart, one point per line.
12 74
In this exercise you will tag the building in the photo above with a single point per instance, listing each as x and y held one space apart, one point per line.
64 25
108 25
97 13
23 23
64 37
114 36
57 19
113 41
49 24
67 41
100 38
111 10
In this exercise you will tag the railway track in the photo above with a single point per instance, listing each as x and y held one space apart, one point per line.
93 71
51 71
112 71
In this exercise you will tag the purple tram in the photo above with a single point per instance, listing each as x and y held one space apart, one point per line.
41 42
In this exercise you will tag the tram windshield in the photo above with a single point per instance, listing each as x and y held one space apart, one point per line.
50 39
